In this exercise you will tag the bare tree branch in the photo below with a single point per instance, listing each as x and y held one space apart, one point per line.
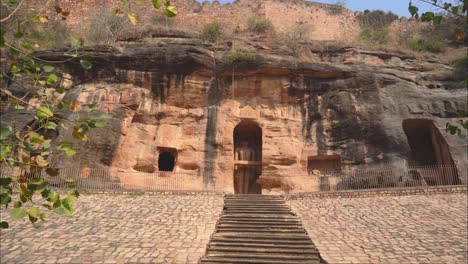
13 12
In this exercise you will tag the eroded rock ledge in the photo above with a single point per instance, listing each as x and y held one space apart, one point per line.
178 96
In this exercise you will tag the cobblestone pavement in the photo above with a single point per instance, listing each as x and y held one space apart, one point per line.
118 229
405 229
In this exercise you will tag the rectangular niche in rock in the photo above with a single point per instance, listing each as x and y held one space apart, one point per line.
323 164
167 159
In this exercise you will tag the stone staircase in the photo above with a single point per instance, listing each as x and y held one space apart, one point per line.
259 229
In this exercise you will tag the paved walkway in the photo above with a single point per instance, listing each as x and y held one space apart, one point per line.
176 229
406 229
118 229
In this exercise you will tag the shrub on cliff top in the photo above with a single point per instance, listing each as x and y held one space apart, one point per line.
105 27
376 19
375 36
259 24
427 44
239 58
212 32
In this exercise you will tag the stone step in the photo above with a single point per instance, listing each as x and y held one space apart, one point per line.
265 256
274 242
260 217
248 235
259 223
259 211
262 244
218 260
259 229
242 248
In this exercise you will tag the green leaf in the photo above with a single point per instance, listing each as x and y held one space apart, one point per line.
59 210
86 64
5 181
44 112
413 10
427 16
60 90
4 225
75 42
23 198
169 10
5 199
42 217
2 38
5 131
50 125
27 46
48 68
57 204
140 1
15 69
125 2
157 4
33 212
18 35
52 79
66 146
32 219
18 213
17 204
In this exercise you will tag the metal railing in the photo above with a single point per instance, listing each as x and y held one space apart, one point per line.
116 180
388 176
393 175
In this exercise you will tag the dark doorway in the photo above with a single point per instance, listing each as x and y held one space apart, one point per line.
247 157
430 153
166 161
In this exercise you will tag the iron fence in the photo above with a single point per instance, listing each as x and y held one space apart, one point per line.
371 177
388 176
116 180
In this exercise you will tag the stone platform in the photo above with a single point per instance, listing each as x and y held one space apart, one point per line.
171 228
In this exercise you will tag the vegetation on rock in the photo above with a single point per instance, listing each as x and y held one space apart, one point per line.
212 32
259 25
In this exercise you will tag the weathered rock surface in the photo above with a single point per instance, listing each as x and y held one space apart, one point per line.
179 95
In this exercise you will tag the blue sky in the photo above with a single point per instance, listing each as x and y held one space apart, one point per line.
399 7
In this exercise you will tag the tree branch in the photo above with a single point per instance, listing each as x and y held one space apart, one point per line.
13 12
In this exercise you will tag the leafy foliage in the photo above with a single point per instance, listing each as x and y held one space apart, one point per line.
28 150
426 44
338 7
376 19
375 35
259 25
238 58
294 37
458 9
375 26
212 32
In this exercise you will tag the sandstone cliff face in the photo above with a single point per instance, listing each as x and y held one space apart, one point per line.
178 96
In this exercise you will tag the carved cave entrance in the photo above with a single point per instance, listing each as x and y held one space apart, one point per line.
247 157
167 159
430 153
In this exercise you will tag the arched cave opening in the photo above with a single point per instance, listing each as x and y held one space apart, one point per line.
248 157
166 161
430 152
